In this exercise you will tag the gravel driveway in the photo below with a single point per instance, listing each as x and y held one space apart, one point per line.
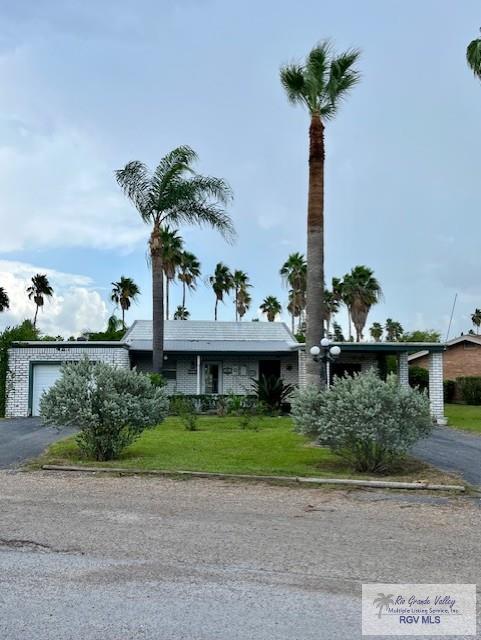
87 557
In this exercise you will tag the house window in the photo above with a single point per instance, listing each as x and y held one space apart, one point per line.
169 370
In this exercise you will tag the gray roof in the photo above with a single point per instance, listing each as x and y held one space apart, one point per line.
207 336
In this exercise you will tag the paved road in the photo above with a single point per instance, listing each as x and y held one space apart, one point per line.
25 438
87 557
454 451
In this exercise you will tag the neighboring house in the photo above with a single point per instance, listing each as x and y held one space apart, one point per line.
462 357
203 357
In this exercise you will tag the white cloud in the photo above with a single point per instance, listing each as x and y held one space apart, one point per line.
74 307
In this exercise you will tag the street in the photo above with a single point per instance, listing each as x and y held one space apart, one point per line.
113 558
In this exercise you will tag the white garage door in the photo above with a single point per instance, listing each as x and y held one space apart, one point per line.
44 376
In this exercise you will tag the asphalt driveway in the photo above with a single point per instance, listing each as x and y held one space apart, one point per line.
25 438
453 451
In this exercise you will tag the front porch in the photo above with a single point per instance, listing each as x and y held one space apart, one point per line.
360 356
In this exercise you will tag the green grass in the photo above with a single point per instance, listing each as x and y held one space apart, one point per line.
220 445
464 416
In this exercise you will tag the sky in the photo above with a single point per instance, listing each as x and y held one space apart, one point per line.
87 86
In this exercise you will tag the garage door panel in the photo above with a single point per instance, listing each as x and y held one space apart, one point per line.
44 376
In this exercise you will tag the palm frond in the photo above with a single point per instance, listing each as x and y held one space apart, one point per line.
135 181
202 214
473 57
292 79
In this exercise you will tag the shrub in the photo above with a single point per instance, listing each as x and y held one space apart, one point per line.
419 377
184 407
272 392
470 388
24 331
449 388
157 380
370 423
110 406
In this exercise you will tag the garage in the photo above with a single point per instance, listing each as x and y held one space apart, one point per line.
43 377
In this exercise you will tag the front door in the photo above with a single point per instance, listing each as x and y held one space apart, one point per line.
212 378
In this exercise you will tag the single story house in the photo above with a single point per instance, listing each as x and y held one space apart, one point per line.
462 357
204 357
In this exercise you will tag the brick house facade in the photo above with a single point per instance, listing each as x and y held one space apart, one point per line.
462 357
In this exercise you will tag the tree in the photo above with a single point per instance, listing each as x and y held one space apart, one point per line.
376 331
4 300
173 195
294 274
473 56
320 85
181 313
124 292
476 319
39 290
172 249
115 330
394 330
221 283
331 307
421 336
241 284
363 290
271 307
337 332
189 271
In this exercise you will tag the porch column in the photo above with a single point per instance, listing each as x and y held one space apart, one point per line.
403 369
198 376
436 391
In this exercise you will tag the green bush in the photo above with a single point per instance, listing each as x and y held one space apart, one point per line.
419 377
449 388
370 423
157 380
110 406
470 388
184 407
24 331
272 392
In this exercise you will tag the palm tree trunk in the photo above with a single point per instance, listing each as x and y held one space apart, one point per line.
35 317
292 323
215 309
157 301
315 247
166 298
123 317
236 307
349 323
183 294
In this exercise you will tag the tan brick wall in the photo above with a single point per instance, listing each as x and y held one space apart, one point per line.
458 361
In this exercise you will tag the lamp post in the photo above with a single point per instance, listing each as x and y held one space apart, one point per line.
325 354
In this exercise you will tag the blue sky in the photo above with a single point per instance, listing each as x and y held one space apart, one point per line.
87 86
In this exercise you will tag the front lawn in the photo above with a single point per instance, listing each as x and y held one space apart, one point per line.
220 445
464 416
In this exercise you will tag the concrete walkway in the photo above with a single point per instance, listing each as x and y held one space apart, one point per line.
25 438
453 451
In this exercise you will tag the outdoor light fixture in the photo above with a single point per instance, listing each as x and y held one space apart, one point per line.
329 354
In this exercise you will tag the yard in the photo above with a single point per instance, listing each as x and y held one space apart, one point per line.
221 445
463 416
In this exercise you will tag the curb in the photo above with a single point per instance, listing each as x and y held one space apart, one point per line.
373 484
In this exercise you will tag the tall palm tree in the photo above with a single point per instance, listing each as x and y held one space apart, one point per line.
476 319
376 331
331 307
364 291
271 307
320 85
221 283
39 290
4 300
473 56
189 271
173 195
294 274
172 249
241 284
124 292
181 313
394 330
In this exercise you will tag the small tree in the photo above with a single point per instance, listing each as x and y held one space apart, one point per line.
110 406
368 422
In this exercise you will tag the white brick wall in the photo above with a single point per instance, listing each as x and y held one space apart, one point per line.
436 391
19 359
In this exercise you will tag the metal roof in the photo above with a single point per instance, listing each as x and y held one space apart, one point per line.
209 336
